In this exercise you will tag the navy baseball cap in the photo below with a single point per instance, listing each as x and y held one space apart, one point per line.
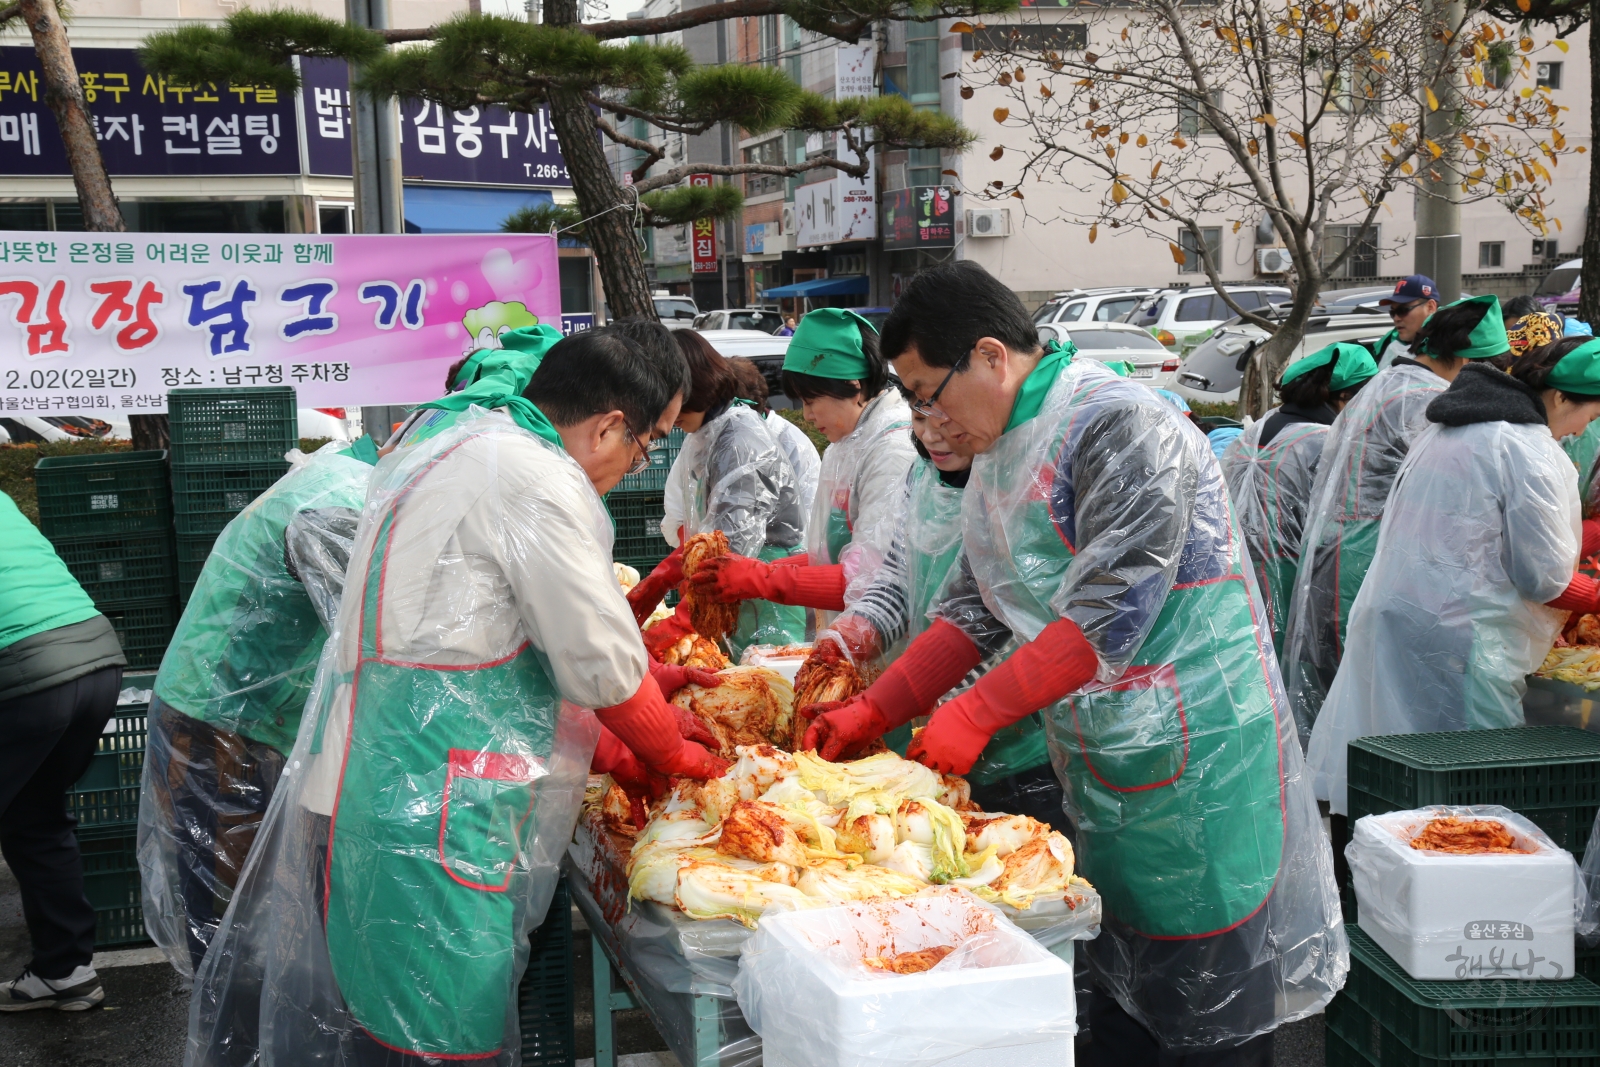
1411 287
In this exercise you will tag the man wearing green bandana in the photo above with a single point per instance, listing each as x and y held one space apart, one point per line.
1097 535
438 777
1271 467
1364 450
834 368
1474 571
232 686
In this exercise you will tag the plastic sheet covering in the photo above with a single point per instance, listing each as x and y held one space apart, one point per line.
804 986
740 482
860 492
415 841
1583 449
1589 877
1446 916
1183 775
231 689
1271 491
1481 529
675 499
802 456
1360 459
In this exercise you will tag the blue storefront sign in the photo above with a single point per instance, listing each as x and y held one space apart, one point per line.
146 125
571 324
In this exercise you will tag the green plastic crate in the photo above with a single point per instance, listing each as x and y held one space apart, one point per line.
107 796
115 569
232 426
111 882
653 479
1337 1052
143 627
1387 1016
205 499
1550 774
544 999
193 551
103 495
635 515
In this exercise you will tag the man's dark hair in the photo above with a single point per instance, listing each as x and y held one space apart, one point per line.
1519 306
1534 366
803 386
752 383
946 309
660 349
597 371
713 380
1448 331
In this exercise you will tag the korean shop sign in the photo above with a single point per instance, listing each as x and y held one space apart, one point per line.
109 322
146 125
703 234
478 146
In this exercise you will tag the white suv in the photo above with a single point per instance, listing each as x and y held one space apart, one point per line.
764 319
1173 315
1090 305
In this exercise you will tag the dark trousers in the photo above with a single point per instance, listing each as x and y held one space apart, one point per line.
46 741
1035 792
1117 1040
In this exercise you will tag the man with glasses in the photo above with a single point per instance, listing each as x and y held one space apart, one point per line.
1097 533
1415 297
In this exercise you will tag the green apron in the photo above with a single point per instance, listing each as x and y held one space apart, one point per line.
1173 770
761 622
427 870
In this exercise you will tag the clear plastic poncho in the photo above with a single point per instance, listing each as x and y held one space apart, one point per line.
231 689
802 456
1270 486
1481 529
413 844
737 480
1182 771
1360 458
860 495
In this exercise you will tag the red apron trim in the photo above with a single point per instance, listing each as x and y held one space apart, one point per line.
486 766
432 1055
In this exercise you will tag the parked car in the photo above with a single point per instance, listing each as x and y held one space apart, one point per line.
1153 365
1211 374
763 319
1559 290
876 316
1344 301
765 350
1172 315
676 312
1091 305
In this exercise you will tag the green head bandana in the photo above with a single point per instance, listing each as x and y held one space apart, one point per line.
469 370
503 373
1578 371
827 344
1488 339
363 448
1120 367
1352 365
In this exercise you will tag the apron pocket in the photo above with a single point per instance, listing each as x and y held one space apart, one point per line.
1133 734
488 797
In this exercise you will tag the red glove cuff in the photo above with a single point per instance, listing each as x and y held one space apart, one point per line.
1581 594
808 587
799 559
609 754
1591 539
1035 676
644 723
929 668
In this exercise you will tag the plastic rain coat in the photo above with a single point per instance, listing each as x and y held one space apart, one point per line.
241 662
1583 449
1481 529
437 777
1271 491
738 480
860 495
1195 818
801 454
1360 458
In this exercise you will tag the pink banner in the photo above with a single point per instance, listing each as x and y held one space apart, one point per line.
109 322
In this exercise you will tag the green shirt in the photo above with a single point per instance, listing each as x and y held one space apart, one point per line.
37 592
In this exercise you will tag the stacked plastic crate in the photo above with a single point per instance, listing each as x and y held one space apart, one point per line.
636 510
227 449
105 802
110 520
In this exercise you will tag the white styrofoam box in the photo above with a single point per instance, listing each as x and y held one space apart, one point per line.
999 998
1448 917
767 656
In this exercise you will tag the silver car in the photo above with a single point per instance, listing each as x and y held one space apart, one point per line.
1212 373
1152 364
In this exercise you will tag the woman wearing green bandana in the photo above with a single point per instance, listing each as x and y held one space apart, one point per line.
1271 467
482 379
834 368
1362 455
232 686
1474 571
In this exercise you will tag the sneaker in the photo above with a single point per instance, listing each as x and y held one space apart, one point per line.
79 991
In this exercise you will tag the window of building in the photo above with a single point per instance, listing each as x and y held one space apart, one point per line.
1363 259
577 290
1192 251
1491 254
767 27
1191 123
1496 75
922 62
790 30
768 152
922 167
1548 75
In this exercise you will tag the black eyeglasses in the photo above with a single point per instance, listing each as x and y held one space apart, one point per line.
646 450
1398 311
929 408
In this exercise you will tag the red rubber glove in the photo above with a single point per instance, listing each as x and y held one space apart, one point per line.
612 757
732 578
1582 595
1591 539
671 678
648 725
799 559
929 668
668 632
644 597
1035 676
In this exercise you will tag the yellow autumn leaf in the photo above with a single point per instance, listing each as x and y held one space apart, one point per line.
1268 118
1502 184
1434 148
961 27
1179 142
1164 201
1254 146
1001 114
1119 192
1526 44
1563 46
1142 141
1155 170
1177 254
1406 168
1297 139
1236 226
1524 6
1094 231
1122 138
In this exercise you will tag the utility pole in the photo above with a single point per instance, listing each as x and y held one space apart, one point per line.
375 140
1439 201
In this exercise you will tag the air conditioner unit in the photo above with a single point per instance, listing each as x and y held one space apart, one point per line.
1273 261
789 227
989 222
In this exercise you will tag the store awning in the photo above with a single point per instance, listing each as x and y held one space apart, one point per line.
442 209
851 285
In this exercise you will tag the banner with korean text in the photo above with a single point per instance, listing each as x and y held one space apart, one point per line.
109 322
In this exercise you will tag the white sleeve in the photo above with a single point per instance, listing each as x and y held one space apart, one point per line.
1542 520
674 499
878 501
